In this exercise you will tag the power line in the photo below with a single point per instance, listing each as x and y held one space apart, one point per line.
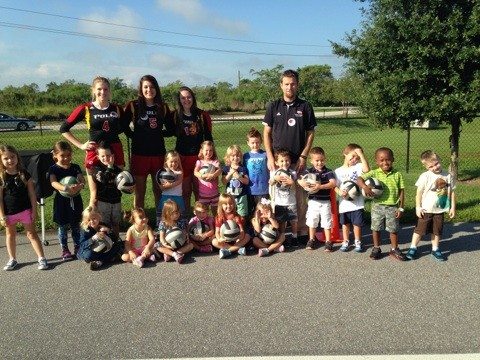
151 43
162 31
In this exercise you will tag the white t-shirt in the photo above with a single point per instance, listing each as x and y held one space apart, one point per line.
176 190
352 173
434 195
283 195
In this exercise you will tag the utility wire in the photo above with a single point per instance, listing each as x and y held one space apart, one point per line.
162 31
151 43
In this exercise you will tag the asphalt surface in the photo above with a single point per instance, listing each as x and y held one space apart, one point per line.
296 303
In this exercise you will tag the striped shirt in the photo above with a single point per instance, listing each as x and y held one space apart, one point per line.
392 184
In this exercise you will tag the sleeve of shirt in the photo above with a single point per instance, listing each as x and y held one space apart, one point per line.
401 181
77 115
207 126
367 174
225 170
268 119
169 121
311 122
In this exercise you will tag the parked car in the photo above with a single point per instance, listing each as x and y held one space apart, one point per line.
10 122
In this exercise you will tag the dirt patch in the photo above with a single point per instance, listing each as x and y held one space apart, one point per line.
471 182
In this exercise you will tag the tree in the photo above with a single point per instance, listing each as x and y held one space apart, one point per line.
269 79
345 91
315 84
418 59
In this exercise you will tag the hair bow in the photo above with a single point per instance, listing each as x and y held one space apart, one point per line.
264 201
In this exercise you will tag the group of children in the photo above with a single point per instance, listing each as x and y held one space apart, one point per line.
253 199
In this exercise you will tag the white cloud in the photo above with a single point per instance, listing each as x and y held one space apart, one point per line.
123 15
194 12
165 62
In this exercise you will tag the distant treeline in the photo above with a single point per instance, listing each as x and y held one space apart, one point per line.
317 85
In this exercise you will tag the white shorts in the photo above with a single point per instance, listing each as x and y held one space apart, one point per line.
319 210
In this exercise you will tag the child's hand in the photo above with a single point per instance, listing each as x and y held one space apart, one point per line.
287 181
343 194
89 145
368 191
419 212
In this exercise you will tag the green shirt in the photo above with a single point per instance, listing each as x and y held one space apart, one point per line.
392 184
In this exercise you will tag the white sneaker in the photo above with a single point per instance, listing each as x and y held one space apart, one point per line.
42 264
11 265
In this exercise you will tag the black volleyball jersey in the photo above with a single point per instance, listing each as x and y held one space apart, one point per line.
102 124
192 131
149 128
15 193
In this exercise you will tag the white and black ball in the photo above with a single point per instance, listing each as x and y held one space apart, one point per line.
310 179
207 169
268 234
283 173
68 180
165 176
124 182
351 188
376 186
175 237
230 231
101 243
199 228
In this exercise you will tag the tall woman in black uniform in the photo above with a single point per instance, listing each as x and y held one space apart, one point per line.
152 120
104 121
192 127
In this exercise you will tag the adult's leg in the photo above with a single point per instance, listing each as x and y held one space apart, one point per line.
140 188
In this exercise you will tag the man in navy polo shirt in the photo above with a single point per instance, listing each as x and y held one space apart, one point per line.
289 124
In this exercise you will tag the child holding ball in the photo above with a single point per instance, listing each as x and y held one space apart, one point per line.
263 216
208 181
171 190
201 242
139 239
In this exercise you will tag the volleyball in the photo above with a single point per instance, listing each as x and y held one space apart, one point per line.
268 234
282 172
207 169
124 182
165 176
310 179
351 188
199 228
376 187
69 180
101 243
230 231
175 238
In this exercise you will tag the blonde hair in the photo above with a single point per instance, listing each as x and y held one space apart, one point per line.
263 206
207 143
232 149
199 204
99 79
20 169
428 155
350 147
224 199
88 214
169 207
172 154
130 215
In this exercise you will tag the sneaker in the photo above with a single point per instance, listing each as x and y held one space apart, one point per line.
42 264
66 255
206 249
344 246
263 252
312 244
376 253
358 247
223 253
158 255
397 254
242 251
328 246
280 249
178 257
138 261
11 265
437 255
95 265
412 254
152 258
166 257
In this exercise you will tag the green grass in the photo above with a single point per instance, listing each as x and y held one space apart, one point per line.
333 135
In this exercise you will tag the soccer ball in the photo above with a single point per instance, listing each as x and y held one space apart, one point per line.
199 228
175 238
268 234
124 181
165 176
68 180
101 243
207 169
282 172
376 187
230 231
310 179
351 188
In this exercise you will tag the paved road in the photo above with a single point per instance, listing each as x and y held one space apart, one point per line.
297 303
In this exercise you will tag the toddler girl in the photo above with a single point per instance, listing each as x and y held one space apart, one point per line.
170 219
227 211
139 238
208 181
201 241
264 215
18 204
67 210
235 177
171 190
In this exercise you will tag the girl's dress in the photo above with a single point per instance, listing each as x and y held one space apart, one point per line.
66 210
139 241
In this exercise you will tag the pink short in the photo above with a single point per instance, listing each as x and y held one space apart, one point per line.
24 217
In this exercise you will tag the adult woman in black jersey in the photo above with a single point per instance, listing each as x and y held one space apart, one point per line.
152 120
104 121
192 127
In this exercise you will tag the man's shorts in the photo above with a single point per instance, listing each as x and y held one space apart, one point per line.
430 224
284 213
319 211
355 218
383 218
141 165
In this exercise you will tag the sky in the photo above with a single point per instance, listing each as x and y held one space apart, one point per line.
198 42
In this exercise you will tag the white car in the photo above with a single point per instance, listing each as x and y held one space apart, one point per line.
13 123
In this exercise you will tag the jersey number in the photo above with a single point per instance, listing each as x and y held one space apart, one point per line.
106 126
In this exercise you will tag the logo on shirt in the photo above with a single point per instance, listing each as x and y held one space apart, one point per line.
278 114
291 122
